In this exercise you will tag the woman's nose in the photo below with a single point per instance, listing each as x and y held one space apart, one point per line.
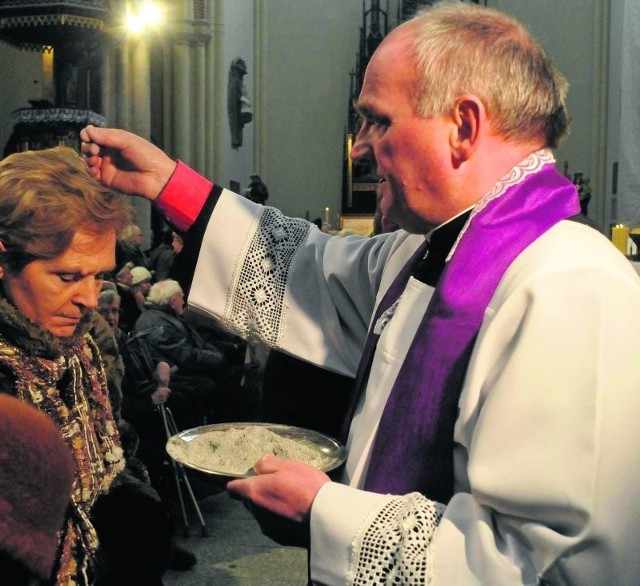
87 292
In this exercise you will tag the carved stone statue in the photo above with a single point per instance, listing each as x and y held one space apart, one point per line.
238 102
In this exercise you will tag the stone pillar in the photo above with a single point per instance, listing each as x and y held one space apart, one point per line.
259 89
200 87
182 101
141 95
123 88
140 120
167 99
215 76
107 86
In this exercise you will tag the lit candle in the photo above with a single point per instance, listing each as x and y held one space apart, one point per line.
326 215
620 237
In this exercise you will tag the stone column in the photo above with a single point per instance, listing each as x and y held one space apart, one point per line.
200 128
123 88
140 120
216 76
182 101
141 94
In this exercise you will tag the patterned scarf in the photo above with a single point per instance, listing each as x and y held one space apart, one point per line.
65 380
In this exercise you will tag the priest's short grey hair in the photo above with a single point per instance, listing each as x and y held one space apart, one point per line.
465 48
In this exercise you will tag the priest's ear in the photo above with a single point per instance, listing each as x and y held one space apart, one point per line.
469 118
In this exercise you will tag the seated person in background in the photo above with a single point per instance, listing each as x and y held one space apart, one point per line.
133 294
140 392
141 278
109 302
161 257
107 339
143 440
199 369
36 474
142 397
110 339
176 243
129 247
129 310
244 368
123 275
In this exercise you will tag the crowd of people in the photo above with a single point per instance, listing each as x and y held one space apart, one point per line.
490 428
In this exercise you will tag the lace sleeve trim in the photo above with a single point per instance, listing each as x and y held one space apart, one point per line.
259 302
392 546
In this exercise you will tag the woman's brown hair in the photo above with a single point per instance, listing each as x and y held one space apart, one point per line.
45 196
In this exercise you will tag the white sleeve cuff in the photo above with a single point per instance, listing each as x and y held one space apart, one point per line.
336 517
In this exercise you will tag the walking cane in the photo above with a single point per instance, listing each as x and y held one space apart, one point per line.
180 476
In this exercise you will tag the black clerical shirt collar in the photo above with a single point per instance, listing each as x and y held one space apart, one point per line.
440 241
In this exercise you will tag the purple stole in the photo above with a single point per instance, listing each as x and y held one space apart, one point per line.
413 449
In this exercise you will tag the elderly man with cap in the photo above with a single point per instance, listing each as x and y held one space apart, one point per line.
133 296
141 278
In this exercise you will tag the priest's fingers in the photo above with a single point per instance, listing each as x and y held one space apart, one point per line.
125 161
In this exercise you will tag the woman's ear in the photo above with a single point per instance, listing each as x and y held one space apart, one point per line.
468 116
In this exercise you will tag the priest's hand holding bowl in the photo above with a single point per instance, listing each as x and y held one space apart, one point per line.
280 497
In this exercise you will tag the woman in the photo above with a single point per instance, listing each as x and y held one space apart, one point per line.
57 238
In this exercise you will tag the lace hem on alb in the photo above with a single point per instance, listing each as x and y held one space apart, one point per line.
259 300
392 547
